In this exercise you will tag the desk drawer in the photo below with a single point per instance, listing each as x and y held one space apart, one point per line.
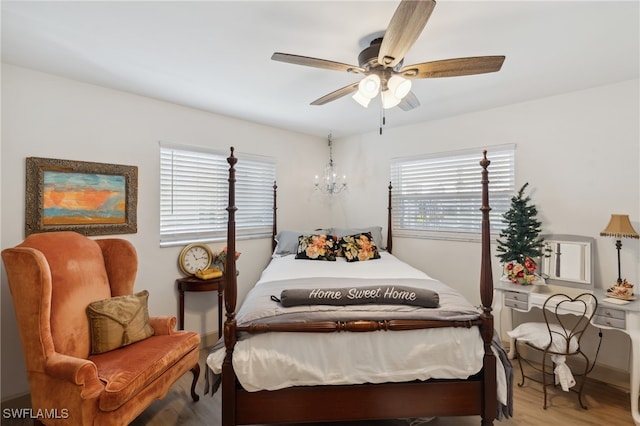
517 300
606 311
610 317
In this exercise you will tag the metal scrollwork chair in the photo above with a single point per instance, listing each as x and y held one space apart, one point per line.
558 338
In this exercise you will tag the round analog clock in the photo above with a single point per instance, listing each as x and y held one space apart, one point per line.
193 257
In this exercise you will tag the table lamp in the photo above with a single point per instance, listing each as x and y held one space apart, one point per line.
619 227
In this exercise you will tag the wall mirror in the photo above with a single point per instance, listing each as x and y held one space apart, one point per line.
568 260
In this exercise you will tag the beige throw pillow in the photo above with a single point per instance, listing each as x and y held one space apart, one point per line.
119 321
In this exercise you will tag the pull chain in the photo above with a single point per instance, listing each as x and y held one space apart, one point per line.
382 116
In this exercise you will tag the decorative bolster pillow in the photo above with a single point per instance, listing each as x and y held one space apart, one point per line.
381 295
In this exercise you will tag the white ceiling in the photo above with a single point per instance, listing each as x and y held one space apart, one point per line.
216 55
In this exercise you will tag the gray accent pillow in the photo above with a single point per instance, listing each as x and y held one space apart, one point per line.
376 233
287 241
380 295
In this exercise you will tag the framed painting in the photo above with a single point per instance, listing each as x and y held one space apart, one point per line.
89 198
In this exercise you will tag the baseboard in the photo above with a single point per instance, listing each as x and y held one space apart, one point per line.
612 376
208 340
20 401
601 372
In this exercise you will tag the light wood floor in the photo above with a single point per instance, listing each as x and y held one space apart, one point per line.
608 406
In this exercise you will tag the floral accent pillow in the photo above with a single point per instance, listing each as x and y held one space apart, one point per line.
317 247
359 247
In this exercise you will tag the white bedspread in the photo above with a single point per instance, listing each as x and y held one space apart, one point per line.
277 360
290 273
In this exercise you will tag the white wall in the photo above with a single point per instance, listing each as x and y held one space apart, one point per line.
574 150
579 152
47 116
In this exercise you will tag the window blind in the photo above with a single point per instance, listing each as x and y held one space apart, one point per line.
440 195
194 194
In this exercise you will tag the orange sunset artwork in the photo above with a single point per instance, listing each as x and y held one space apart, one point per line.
83 198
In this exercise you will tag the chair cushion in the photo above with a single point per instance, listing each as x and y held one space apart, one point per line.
130 369
118 321
537 334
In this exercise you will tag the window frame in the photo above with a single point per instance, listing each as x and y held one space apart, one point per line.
255 178
501 190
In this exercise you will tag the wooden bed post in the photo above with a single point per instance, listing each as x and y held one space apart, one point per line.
490 405
274 231
389 232
476 395
230 300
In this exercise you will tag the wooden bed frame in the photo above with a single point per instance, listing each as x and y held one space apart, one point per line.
476 395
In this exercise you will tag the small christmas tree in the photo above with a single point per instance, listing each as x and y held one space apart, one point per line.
520 239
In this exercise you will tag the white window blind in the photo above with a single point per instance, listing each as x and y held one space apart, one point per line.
440 195
194 191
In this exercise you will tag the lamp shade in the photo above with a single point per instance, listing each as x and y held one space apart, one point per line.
620 227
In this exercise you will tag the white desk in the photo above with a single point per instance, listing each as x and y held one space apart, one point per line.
625 318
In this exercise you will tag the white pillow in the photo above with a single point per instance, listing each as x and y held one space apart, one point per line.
537 334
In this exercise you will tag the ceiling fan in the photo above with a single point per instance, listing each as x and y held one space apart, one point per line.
382 62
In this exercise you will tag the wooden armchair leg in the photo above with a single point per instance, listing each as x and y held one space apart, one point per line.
196 374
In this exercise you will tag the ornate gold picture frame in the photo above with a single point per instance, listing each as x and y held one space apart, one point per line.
89 198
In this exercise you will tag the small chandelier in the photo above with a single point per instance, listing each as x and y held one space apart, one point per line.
331 182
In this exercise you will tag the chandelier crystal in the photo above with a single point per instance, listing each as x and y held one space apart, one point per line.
331 182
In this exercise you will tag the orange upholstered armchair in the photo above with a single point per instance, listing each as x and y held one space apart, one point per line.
53 278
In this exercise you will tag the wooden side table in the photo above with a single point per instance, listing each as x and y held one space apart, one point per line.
196 284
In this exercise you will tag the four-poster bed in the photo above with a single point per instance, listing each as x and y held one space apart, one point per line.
473 394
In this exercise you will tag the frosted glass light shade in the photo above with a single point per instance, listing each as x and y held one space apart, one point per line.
369 86
388 100
399 86
367 89
362 100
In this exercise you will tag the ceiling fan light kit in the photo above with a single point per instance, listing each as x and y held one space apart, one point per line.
369 88
381 63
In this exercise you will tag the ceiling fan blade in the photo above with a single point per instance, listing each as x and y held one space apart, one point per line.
405 27
409 102
453 67
337 94
316 63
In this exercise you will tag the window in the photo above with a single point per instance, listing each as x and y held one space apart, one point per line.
194 192
439 195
